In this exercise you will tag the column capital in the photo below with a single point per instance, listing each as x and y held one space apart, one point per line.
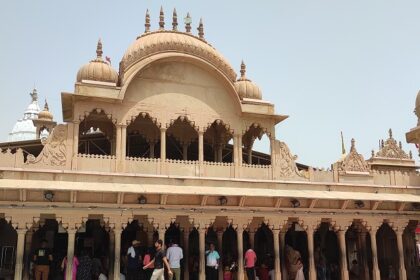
160 221
70 222
240 222
399 225
201 222
341 224
162 128
276 222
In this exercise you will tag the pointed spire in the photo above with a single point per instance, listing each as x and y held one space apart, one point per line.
400 145
201 29
243 71
174 21
147 22
161 19
34 95
99 49
390 133
46 108
188 21
373 153
343 149
353 145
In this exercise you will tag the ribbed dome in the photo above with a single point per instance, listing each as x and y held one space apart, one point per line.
165 41
45 115
97 69
245 88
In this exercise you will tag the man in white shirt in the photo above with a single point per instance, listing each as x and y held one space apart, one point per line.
174 256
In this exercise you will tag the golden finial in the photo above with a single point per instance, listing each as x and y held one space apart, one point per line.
188 21
174 21
161 19
147 22
46 108
201 29
243 70
343 149
99 49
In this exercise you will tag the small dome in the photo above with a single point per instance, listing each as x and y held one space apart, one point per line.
245 88
97 69
45 115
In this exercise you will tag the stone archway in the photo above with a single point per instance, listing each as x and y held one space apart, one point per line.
411 255
229 250
388 257
8 243
194 254
326 252
264 249
296 246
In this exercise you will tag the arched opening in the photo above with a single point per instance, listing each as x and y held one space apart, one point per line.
97 134
229 250
93 240
359 252
264 249
326 253
216 143
194 255
411 253
143 136
296 247
182 140
8 243
388 256
56 238
173 235
256 146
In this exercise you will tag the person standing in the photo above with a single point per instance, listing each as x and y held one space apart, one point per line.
42 259
133 261
146 260
212 259
84 271
73 267
158 261
250 260
174 256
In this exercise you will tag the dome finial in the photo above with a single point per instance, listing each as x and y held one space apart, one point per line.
243 70
46 108
99 49
390 133
147 22
34 95
161 19
353 144
187 21
174 21
201 29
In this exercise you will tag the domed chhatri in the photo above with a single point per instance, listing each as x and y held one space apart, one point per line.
245 88
97 70
45 115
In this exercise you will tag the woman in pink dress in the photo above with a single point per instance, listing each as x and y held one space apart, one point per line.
74 267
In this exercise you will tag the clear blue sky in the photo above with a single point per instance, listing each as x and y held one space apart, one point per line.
331 65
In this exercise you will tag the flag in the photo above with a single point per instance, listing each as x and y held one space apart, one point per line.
107 58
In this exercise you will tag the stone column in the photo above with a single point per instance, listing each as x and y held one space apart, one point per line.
28 243
123 142
219 246
19 252
200 146
249 149
343 254
376 274
75 144
312 270
219 153
111 252
162 144
186 253
118 143
152 149
402 273
276 238
71 232
366 270
185 151
117 252
235 149
240 236
240 150
202 247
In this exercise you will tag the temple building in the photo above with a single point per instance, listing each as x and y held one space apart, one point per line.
164 148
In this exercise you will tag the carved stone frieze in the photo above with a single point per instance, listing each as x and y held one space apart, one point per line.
354 161
391 149
284 162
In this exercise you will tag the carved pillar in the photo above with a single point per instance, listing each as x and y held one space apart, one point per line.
202 245
111 252
71 232
75 144
282 256
28 243
219 153
186 253
366 270
152 149
118 142
117 251
240 154
235 149
200 146
276 238
185 151
162 144
123 142
240 236
402 273
312 270
341 232
372 232
219 246
21 231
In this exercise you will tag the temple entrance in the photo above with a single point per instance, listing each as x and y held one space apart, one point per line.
194 255
229 250
264 249
388 260
326 253
359 253
296 246
56 237
411 253
92 239
8 242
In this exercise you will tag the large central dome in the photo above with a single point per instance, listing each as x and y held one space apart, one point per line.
151 43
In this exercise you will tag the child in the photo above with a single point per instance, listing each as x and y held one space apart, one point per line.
227 274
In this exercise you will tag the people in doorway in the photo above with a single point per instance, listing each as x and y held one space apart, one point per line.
84 271
227 274
146 260
174 256
263 272
300 275
293 258
74 267
158 261
212 263
42 259
250 260
134 261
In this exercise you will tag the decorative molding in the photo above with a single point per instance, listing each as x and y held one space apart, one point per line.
391 149
353 162
284 162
